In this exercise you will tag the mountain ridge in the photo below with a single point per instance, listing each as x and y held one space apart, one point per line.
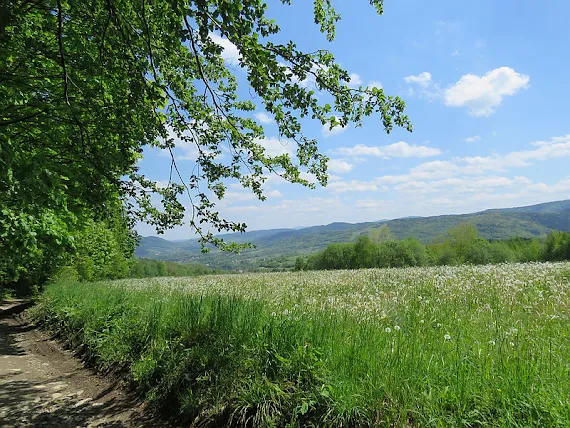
285 244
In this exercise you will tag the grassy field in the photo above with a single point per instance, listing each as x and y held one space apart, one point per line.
465 346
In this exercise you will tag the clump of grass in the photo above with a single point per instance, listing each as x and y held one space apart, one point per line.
471 346
214 359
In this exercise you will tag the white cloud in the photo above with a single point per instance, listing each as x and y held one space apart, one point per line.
522 180
273 180
467 175
531 193
311 178
482 94
275 147
557 147
359 150
238 196
458 186
352 186
392 179
370 204
230 53
162 184
434 169
355 80
472 139
427 87
291 207
263 117
441 201
400 149
243 195
422 79
273 194
375 84
339 166
327 131
314 204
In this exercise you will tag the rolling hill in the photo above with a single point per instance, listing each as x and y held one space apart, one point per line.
279 247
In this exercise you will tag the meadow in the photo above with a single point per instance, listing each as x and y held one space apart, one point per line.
439 346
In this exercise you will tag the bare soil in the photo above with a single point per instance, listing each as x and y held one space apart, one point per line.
44 385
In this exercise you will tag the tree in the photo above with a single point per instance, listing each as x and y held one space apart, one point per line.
87 85
478 252
364 252
339 256
557 246
381 234
461 238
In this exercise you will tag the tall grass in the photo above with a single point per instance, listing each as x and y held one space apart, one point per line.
422 347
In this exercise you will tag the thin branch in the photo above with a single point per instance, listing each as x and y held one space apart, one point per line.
20 119
61 55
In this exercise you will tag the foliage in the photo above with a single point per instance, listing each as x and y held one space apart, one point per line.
87 85
381 234
557 246
36 247
146 268
98 253
462 238
461 245
442 346
32 244
101 254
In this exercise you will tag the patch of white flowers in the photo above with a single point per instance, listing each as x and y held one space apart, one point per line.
377 293
501 303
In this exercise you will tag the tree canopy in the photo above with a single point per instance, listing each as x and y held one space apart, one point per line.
85 86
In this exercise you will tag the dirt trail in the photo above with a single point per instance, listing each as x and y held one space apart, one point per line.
43 385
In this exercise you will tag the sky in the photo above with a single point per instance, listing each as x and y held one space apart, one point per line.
486 87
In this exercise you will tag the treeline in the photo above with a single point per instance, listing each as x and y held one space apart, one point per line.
94 249
147 268
95 245
105 250
461 245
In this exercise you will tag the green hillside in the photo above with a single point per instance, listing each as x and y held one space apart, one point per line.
279 247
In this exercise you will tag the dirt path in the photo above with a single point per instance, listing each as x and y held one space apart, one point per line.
42 385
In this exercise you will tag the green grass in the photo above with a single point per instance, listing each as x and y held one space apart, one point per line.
465 346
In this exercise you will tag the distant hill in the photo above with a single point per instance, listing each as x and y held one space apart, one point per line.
279 247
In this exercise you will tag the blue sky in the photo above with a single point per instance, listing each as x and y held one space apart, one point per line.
486 88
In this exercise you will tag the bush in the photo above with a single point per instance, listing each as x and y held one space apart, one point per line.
98 254
557 246
477 252
502 253
146 268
